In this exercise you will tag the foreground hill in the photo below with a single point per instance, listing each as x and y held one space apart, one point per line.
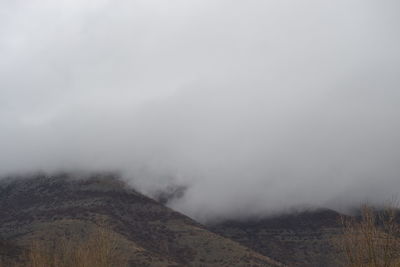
43 209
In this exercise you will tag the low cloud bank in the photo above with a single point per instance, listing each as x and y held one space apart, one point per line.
253 107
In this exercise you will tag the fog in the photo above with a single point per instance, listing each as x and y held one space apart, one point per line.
255 107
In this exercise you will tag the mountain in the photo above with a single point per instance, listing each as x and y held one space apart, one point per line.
298 239
43 208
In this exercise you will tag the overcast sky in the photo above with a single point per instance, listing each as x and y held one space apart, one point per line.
255 106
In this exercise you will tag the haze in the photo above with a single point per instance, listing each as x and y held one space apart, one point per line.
255 106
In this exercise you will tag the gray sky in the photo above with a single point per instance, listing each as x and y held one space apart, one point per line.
255 106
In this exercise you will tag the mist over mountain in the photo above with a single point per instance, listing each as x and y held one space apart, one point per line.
249 108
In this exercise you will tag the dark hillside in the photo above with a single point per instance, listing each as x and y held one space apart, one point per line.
44 208
298 239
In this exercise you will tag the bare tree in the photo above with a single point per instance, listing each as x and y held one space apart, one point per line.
373 239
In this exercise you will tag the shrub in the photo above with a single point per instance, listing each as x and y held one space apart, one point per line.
371 240
100 249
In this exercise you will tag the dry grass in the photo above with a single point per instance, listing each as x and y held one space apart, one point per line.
373 240
99 249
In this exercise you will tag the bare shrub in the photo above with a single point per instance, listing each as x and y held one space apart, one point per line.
100 249
371 240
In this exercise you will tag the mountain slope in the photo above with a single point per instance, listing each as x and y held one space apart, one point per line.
44 208
297 239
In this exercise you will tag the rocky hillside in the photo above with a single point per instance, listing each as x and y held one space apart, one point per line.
43 208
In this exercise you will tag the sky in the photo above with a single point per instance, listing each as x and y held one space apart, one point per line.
255 107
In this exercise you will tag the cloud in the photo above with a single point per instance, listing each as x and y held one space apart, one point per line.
253 107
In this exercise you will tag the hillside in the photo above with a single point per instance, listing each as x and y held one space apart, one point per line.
43 209
298 239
